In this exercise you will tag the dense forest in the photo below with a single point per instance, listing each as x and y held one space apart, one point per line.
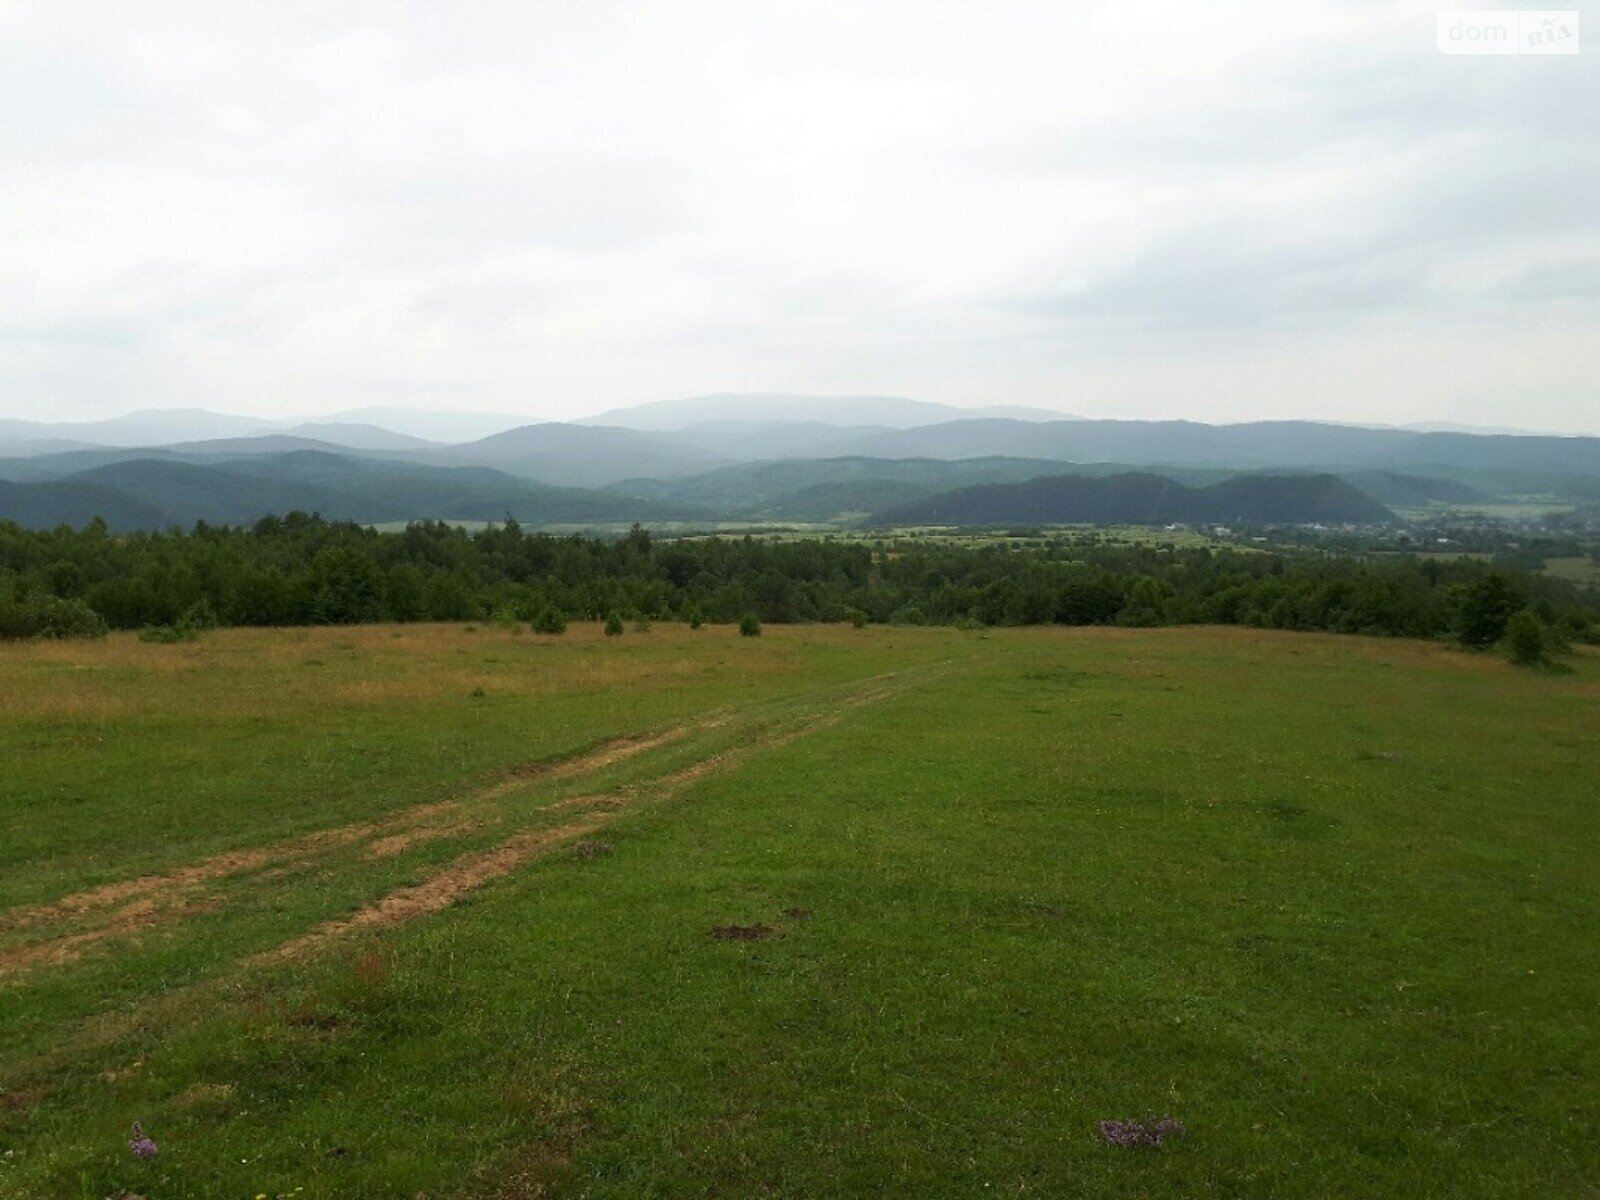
301 569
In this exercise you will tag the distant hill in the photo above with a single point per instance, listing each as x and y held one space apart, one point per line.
185 492
46 504
155 493
765 441
582 455
146 427
1255 446
1411 491
357 436
31 447
433 425
897 412
1139 498
244 447
821 489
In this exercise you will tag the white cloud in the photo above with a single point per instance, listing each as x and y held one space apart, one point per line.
1214 212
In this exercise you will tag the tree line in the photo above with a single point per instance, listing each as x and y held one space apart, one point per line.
301 569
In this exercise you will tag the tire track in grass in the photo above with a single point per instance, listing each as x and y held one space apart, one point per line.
190 1003
148 900
127 921
157 899
472 871
440 890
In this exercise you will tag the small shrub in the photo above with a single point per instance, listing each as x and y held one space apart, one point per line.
694 618
50 618
196 619
1527 640
549 621
858 619
613 625
909 615
749 625
199 616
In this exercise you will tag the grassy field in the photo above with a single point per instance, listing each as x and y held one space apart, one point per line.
430 911
1579 570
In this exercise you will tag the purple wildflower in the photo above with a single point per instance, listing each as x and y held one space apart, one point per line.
142 1146
1151 1131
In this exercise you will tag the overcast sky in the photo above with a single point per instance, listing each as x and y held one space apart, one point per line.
1147 210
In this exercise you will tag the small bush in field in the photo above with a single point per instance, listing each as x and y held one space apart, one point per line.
49 618
749 625
1527 639
549 621
613 625
196 619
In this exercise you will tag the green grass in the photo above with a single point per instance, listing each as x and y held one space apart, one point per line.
1579 570
1329 901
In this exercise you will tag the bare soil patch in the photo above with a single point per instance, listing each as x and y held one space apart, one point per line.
742 933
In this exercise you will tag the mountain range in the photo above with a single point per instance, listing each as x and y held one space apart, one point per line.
757 458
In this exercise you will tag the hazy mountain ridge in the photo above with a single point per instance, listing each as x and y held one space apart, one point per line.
1250 446
358 435
156 493
898 412
576 455
1394 488
761 488
765 468
48 503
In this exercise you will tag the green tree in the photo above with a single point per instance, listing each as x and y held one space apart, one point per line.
613 624
1483 609
750 625
1527 639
